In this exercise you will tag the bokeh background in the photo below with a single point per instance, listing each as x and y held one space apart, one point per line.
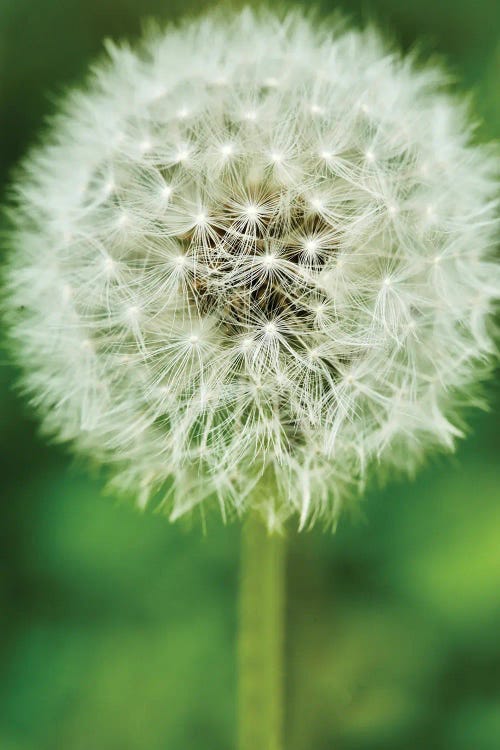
119 630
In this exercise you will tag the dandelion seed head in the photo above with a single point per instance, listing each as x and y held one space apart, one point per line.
240 271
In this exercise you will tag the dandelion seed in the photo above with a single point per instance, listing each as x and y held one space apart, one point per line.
182 155
227 149
251 211
315 109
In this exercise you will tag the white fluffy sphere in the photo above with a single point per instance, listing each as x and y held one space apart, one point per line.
250 261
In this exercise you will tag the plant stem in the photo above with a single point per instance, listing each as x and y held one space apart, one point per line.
261 636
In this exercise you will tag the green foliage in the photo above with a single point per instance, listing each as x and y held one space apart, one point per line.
119 629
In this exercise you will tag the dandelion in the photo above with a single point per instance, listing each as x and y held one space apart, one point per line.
249 252
251 263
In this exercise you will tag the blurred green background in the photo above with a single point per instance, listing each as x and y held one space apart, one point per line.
119 630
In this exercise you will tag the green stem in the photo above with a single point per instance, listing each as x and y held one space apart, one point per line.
261 635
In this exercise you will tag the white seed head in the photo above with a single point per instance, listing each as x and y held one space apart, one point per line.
250 262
